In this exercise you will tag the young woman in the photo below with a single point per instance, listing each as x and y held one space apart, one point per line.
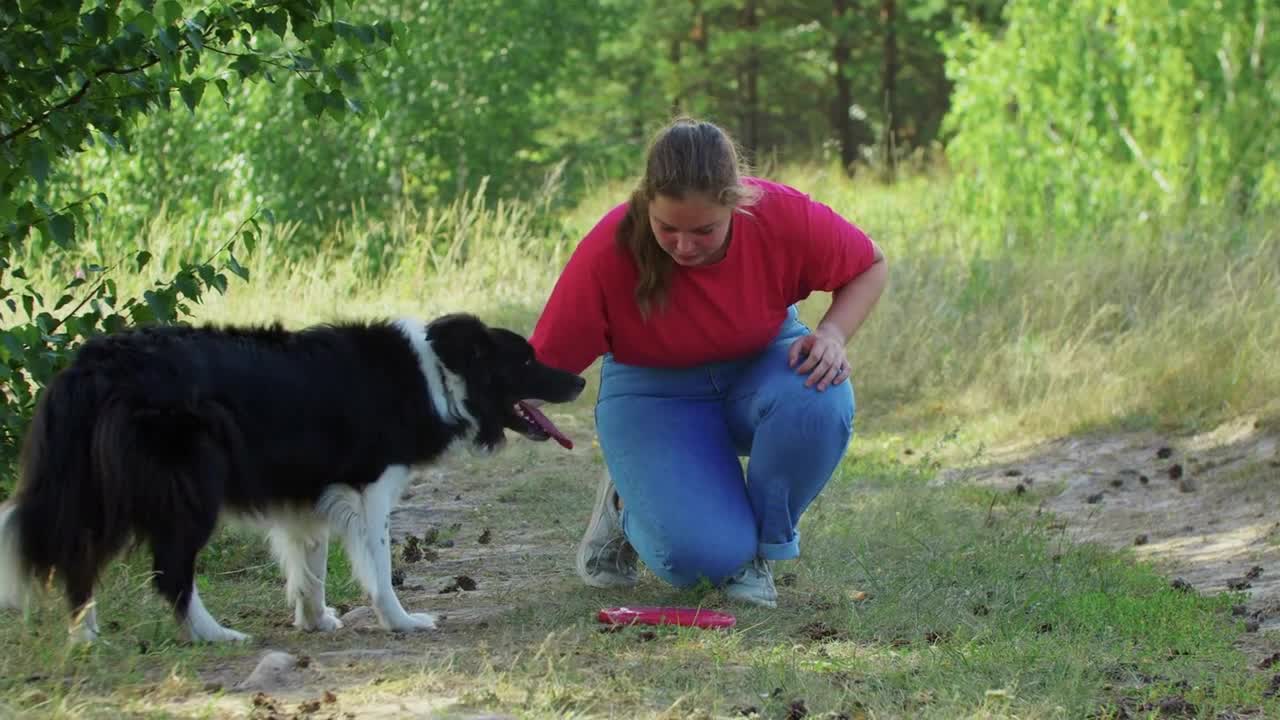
688 290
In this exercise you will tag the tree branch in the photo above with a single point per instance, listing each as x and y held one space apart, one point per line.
75 97
103 278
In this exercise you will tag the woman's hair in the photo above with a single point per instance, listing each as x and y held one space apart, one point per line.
687 157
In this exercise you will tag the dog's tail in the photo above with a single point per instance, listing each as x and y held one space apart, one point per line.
67 519
106 463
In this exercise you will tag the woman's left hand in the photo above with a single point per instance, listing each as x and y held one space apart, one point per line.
824 358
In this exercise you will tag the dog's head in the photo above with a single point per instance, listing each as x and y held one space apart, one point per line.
490 372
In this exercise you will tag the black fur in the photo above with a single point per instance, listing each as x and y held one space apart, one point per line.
151 434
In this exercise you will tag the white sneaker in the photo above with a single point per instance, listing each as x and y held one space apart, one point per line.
753 584
605 558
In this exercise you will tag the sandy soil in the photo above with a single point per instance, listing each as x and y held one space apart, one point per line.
1203 508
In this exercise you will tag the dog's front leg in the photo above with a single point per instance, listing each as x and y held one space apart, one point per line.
367 536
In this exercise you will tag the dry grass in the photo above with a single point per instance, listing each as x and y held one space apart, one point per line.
972 345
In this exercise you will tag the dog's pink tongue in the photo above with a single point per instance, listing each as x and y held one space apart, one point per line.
547 426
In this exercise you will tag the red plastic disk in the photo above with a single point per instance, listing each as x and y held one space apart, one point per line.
687 617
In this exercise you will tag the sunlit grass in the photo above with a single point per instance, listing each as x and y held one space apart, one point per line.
1150 326
966 618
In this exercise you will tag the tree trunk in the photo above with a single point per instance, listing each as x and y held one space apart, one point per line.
841 123
699 83
750 79
888 84
677 101
698 33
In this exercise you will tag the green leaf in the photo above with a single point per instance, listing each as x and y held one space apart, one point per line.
141 259
234 266
186 284
322 38
250 240
172 12
144 23
63 302
315 102
38 163
141 314
95 22
113 323
278 22
160 304
28 304
45 322
246 65
223 88
346 72
191 93
11 343
63 229
336 102
168 38
195 37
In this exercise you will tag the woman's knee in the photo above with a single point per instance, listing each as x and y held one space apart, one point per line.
805 409
713 553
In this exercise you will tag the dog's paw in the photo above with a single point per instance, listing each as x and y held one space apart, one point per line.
230 635
328 622
414 622
220 634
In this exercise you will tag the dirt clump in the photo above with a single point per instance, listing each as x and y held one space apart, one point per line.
819 631
460 582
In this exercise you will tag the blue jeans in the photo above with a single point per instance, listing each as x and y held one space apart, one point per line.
672 439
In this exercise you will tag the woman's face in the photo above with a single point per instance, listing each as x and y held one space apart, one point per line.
692 230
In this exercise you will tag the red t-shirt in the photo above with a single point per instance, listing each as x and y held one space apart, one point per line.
782 248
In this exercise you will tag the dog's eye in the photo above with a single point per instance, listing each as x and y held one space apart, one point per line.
528 362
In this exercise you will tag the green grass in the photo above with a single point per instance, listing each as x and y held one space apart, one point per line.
975 606
1154 324
968 613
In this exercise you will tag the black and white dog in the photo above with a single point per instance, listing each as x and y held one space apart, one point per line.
151 435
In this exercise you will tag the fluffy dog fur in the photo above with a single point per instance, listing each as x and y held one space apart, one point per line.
151 436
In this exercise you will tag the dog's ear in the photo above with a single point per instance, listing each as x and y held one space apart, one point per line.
511 346
462 341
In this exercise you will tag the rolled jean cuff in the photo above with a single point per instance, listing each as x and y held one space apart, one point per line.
780 551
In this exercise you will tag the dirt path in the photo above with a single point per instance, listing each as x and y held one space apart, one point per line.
1215 523
475 554
1204 508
